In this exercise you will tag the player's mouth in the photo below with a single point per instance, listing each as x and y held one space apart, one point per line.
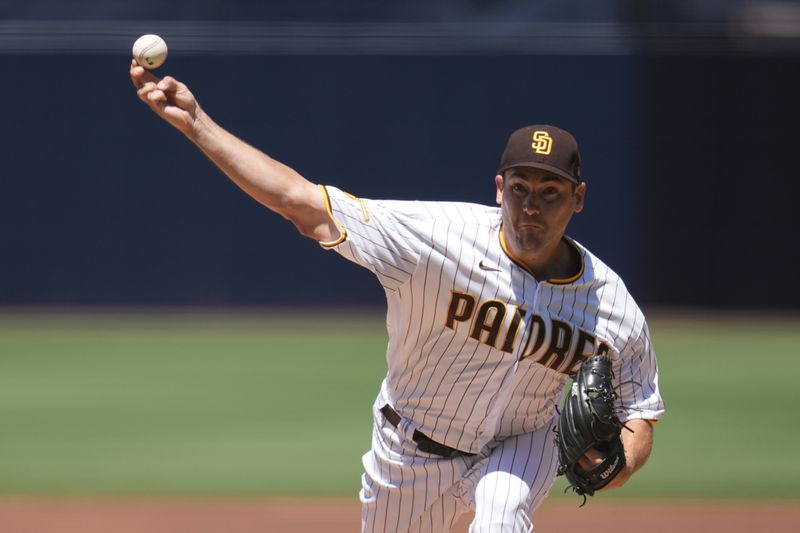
529 224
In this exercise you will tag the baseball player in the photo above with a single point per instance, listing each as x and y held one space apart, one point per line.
489 310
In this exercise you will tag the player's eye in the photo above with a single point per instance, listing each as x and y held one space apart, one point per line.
517 188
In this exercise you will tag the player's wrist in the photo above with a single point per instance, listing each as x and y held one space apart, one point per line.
199 127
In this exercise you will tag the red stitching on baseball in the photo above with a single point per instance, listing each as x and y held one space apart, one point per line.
146 49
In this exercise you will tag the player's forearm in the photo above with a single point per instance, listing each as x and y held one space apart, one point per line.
638 446
270 182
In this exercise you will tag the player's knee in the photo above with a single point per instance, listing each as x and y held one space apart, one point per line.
501 505
502 520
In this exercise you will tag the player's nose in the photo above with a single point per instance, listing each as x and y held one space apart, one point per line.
531 205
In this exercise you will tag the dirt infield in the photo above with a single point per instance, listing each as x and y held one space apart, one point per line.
331 516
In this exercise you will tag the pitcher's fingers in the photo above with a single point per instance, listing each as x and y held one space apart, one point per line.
145 89
136 77
139 76
156 95
590 459
169 84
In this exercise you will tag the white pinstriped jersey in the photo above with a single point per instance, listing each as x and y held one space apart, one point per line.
479 349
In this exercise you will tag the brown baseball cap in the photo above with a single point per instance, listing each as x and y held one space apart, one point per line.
545 147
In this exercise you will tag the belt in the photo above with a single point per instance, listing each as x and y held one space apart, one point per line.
424 443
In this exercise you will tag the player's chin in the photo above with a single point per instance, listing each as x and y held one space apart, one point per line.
530 239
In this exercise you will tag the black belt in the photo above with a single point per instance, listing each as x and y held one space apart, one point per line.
424 443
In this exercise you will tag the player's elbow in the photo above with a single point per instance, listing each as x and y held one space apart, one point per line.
303 204
310 218
323 232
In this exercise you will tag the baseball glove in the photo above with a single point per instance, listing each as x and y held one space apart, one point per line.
589 420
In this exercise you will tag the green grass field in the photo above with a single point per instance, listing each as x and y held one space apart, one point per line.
232 405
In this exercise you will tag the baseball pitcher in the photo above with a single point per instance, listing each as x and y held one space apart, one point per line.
490 311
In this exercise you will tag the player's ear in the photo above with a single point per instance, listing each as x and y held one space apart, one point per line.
498 181
580 195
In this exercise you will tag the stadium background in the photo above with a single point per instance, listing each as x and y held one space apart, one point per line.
687 131
161 334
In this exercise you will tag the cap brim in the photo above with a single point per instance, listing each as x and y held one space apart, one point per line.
531 164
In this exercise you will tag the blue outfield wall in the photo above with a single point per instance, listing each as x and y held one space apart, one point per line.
101 203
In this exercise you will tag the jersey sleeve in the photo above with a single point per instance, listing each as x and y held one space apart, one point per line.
383 236
639 393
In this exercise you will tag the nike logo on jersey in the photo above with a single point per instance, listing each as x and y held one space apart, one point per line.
488 267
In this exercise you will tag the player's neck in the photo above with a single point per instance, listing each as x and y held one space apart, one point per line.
555 262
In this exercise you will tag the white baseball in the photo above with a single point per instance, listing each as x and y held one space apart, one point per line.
150 51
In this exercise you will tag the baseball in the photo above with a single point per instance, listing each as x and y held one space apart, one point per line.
150 51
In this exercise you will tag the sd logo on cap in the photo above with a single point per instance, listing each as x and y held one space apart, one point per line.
545 147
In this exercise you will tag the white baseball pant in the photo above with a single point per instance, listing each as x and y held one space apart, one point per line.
407 490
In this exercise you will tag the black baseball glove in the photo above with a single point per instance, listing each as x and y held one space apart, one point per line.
589 420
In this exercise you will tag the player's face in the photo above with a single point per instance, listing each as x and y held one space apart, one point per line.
536 207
